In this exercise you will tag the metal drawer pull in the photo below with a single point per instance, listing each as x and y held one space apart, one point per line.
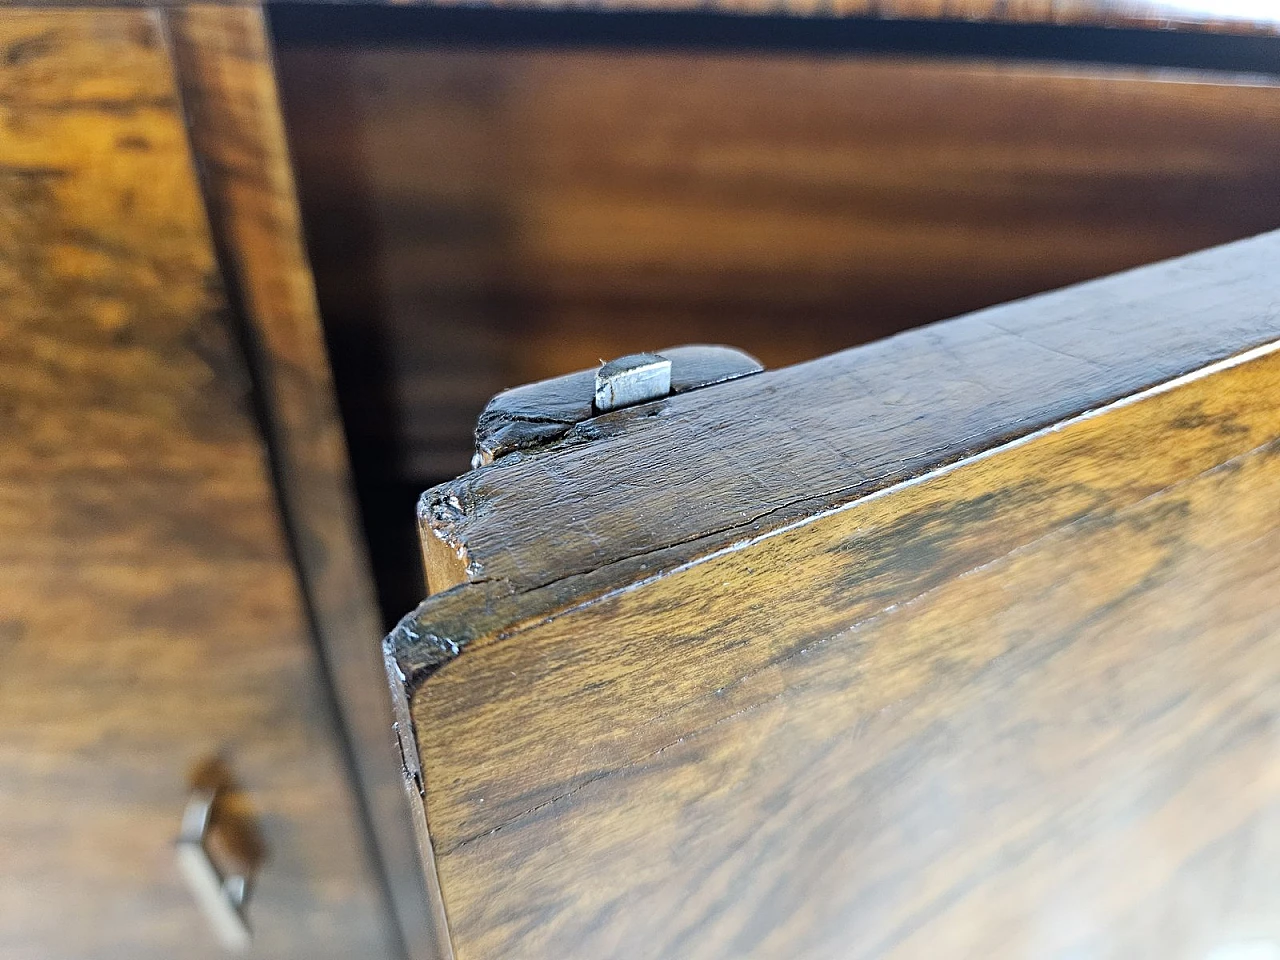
221 897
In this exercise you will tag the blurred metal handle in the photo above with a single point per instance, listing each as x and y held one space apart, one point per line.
221 898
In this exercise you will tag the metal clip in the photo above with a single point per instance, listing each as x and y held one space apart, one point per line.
637 378
540 413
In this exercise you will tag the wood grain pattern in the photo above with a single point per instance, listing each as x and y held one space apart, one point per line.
481 219
224 66
897 407
151 618
1021 702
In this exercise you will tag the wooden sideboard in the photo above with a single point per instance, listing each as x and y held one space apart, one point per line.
260 268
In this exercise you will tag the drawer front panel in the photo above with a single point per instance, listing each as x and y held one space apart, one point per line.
150 626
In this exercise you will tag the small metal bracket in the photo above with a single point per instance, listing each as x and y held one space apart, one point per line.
539 413
637 378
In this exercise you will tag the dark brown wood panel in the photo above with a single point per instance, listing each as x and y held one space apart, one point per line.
1021 702
1227 16
228 83
483 219
151 617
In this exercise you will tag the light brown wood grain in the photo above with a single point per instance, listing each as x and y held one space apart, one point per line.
1022 703
1071 749
224 65
150 615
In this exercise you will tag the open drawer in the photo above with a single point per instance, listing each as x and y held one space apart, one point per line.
962 643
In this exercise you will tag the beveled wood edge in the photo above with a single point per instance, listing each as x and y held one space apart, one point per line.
223 63
846 425
1178 404
443 625
446 623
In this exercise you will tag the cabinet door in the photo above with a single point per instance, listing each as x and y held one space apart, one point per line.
965 643
151 634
